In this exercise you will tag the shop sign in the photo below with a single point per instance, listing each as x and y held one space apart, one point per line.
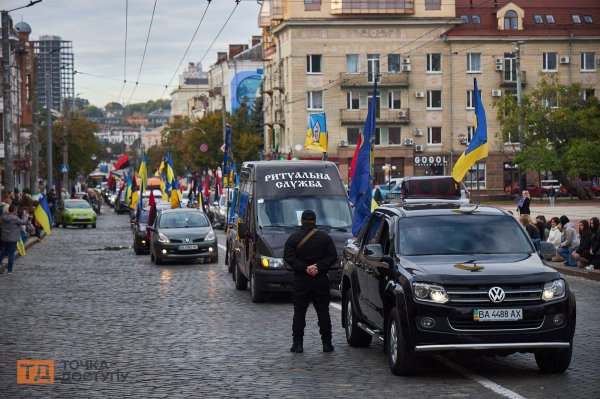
431 160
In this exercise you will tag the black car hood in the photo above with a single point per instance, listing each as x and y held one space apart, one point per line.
458 269
271 241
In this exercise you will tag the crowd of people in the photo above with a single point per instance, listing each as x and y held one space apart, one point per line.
575 246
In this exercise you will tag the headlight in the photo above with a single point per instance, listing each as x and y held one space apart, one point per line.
554 290
162 237
268 262
430 293
210 236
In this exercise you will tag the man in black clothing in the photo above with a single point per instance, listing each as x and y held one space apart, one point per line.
310 253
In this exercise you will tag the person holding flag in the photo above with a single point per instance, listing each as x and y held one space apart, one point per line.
11 234
151 214
478 148
143 174
361 190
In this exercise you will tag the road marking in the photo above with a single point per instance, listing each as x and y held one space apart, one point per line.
335 305
222 247
500 390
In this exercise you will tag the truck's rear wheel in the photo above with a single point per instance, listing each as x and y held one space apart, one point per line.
241 282
355 336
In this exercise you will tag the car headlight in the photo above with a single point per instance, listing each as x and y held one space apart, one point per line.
430 293
162 237
210 236
554 290
271 263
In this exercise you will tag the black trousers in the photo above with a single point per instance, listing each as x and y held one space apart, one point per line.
316 290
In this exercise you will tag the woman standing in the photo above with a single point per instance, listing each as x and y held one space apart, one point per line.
11 232
523 206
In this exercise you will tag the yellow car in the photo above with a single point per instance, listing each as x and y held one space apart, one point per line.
75 212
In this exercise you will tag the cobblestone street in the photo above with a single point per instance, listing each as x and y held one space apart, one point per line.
140 330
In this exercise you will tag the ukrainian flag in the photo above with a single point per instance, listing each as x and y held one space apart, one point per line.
143 174
21 247
316 136
478 148
43 216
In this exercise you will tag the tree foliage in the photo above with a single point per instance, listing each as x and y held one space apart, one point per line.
560 130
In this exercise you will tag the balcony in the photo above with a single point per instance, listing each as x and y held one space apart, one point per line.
384 116
362 80
372 7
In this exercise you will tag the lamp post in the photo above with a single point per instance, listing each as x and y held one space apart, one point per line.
388 168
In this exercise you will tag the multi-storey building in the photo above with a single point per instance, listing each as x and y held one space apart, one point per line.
55 72
193 86
236 76
323 55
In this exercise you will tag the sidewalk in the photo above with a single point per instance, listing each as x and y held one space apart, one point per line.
593 274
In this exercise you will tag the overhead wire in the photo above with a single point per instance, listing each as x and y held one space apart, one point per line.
125 57
144 54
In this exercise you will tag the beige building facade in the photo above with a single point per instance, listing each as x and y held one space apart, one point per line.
322 56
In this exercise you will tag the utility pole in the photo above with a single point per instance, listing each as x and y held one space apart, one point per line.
35 151
223 111
523 182
49 128
65 149
9 178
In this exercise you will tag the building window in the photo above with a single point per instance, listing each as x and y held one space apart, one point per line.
394 63
474 62
353 133
550 102
586 94
550 19
470 133
352 100
587 19
313 63
434 62
433 4
510 68
576 19
394 100
434 135
477 172
549 62
314 100
587 61
471 100
510 20
394 136
434 99
372 67
465 18
475 18
538 19
352 65
377 136
312 5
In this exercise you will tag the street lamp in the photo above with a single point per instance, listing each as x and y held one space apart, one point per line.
388 168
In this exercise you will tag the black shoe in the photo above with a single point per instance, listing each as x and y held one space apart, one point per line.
297 348
327 347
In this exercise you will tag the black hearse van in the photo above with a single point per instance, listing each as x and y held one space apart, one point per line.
271 198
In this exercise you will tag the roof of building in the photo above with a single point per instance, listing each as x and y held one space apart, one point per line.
562 12
23 27
254 53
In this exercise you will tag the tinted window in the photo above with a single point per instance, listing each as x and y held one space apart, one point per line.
144 217
183 219
461 234
77 205
331 211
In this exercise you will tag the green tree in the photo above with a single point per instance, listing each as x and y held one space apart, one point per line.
557 123
91 111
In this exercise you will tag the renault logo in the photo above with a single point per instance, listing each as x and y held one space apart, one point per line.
496 294
188 240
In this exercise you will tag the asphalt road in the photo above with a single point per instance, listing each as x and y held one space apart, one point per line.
116 325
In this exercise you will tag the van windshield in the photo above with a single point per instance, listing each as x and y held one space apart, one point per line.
331 211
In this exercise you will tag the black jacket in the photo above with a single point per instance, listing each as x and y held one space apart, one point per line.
585 243
319 249
524 208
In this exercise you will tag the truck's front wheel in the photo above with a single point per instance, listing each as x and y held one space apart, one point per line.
399 356
355 336
256 295
554 360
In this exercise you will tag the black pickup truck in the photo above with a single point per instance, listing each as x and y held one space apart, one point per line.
426 277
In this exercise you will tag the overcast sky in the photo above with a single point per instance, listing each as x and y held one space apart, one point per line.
97 30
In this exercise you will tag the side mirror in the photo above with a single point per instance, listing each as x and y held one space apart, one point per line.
242 229
374 253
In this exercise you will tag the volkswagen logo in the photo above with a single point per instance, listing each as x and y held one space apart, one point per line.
188 240
496 294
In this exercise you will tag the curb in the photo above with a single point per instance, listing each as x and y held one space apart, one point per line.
593 274
31 241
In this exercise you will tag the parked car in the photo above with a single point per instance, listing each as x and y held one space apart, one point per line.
141 244
74 212
180 234
426 277
534 191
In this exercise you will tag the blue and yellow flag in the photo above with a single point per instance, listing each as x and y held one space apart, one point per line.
43 216
21 247
227 156
175 198
361 190
160 168
143 174
478 148
316 136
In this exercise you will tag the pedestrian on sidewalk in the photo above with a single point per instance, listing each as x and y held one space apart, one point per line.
523 205
552 195
310 253
11 232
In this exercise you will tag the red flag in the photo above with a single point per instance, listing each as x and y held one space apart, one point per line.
151 213
206 186
355 156
123 162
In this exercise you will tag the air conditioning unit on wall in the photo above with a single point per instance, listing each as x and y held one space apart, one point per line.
420 94
406 60
409 141
496 93
418 132
418 148
499 60
402 113
499 67
564 59
343 143
406 68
